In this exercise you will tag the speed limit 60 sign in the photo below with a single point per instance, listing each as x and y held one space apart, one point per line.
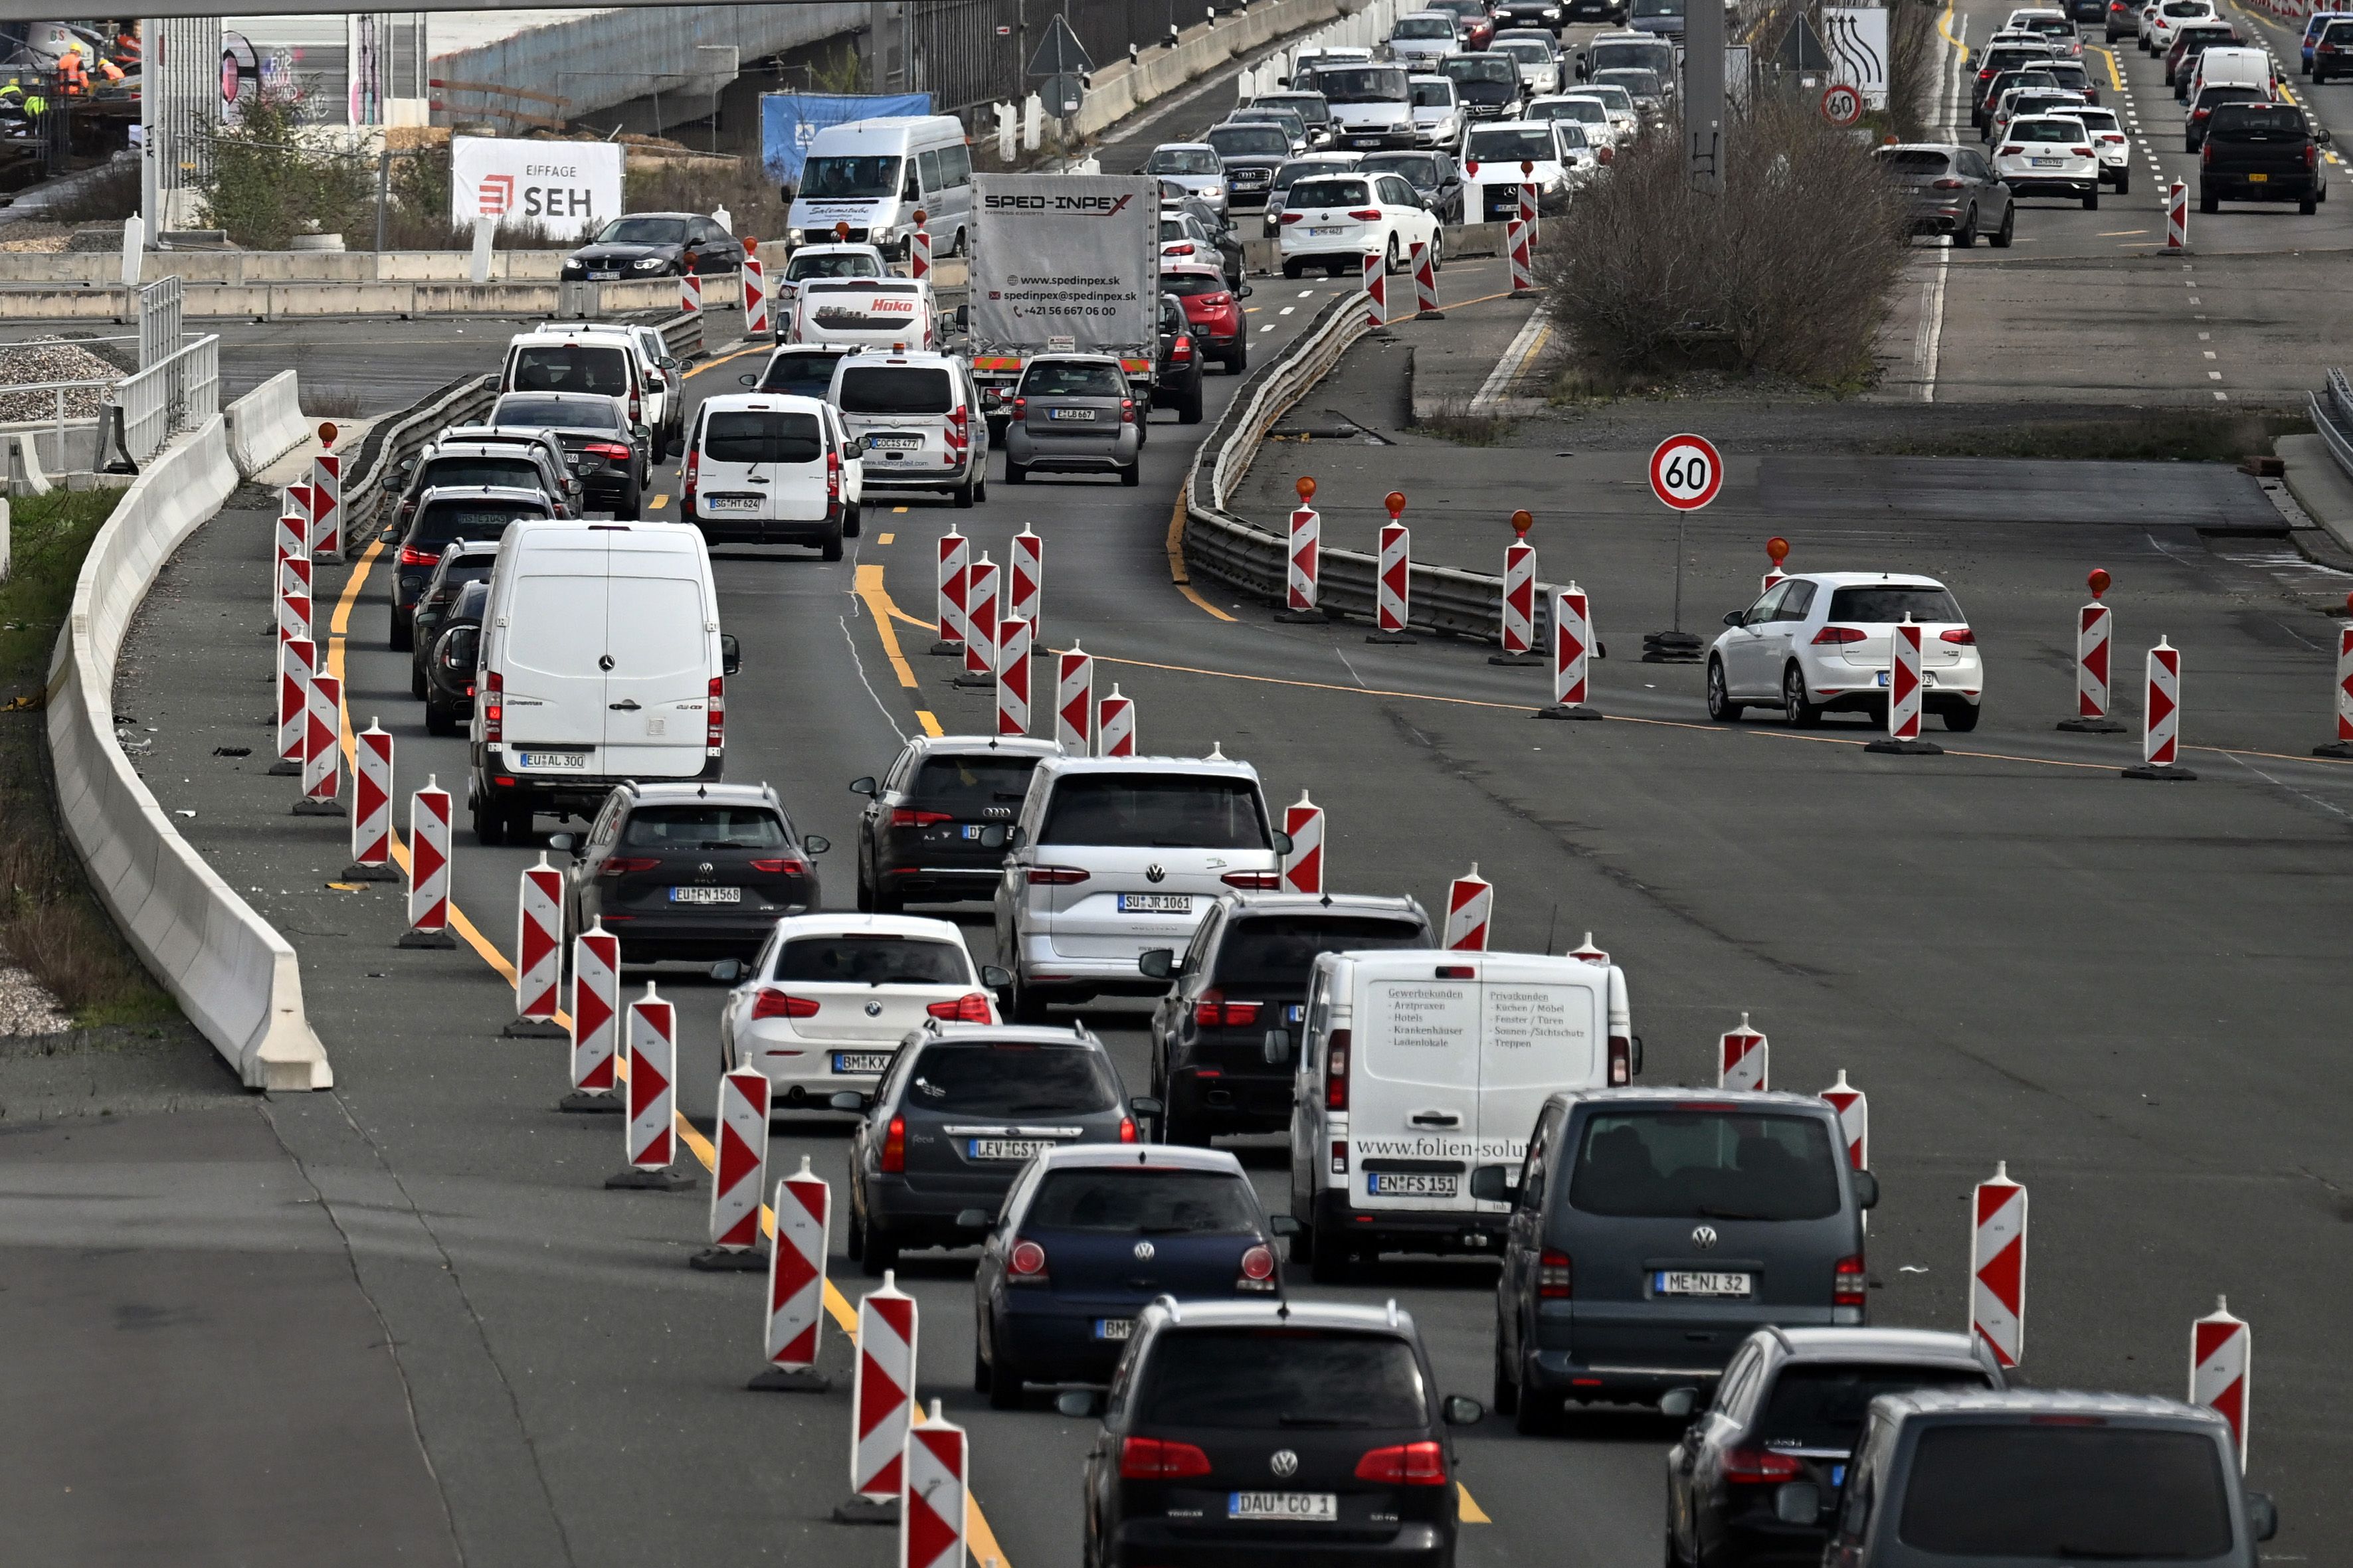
1685 472
1842 105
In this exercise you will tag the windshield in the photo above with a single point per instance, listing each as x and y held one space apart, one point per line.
1267 1379
1182 160
1250 142
1292 174
1877 605
805 375
1070 378
557 414
1641 83
1310 107
856 178
1822 1405
2074 1493
2207 97
1418 167
1142 811
1012 1078
762 436
1362 84
1705 1164
1274 953
643 231
971 786
831 264
570 367
1141 1199
1424 27
1480 67
703 825
478 471
1585 110
872 961
1505 146
1329 194
897 389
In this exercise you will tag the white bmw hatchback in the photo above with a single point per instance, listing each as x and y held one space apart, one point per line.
824 1007
1822 643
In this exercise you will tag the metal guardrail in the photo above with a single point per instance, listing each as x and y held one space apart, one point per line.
177 393
1237 552
2333 420
365 492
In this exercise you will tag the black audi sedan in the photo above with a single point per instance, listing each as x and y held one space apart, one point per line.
655 244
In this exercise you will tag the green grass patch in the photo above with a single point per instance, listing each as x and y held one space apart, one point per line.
2159 436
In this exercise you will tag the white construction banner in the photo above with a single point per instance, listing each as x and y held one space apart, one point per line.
564 187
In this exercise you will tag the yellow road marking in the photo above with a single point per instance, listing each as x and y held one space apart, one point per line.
1944 26
1177 573
2116 78
870 588
722 359
897 510
658 503
931 724
2119 233
885 538
1467 1511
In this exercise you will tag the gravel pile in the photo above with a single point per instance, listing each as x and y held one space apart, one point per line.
22 364
26 1008
30 236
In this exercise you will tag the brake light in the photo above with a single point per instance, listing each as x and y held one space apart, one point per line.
1366 214
972 1008
2199 113
693 468
833 476
623 865
1294 217
1258 1270
1257 881
1961 635
1156 1460
1621 1060
412 556
1214 1012
1182 353
1183 249
1759 1465
1831 634
1405 1464
714 727
2007 153
1127 411
612 451
959 427
2206 153
1021 406
1336 1074
635 414
2081 151
2311 156
1339 1156
1555 1277
1945 184
894 1147
1056 876
494 705
782 866
1027 1262
1127 1129
1606 155
773 1003
907 816
1846 1285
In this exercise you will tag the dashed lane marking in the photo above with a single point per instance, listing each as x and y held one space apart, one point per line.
658 503
930 721
885 538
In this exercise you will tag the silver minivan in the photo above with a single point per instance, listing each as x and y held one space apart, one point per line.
912 415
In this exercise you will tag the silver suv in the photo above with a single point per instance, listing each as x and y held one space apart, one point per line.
1112 857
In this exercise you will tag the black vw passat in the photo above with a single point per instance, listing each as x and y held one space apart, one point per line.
1237 1433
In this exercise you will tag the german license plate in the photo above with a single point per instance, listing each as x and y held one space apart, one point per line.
578 761
1689 1283
706 895
2258 179
733 503
1410 1183
571 460
2046 163
603 277
1156 903
1308 1508
1295 1012
1083 415
1005 1148
1838 1474
862 1061
1334 229
894 443
1115 1328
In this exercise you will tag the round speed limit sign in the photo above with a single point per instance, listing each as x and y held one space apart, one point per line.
1685 472
1842 105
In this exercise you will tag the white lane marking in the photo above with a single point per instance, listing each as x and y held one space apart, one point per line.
1286 310
1929 343
860 663
1514 361
2291 789
2221 397
2213 376
2207 352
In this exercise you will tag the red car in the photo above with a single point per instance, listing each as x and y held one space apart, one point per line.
1478 27
1212 311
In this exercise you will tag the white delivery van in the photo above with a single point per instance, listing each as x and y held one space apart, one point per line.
763 469
874 175
2232 67
866 313
913 416
601 660
1417 1067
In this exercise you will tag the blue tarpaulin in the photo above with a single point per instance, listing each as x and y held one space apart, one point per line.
790 121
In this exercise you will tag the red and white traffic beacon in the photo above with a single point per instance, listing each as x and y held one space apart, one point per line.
1303 573
2096 626
1904 698
1519 624
2160 740
1393 589
2342 746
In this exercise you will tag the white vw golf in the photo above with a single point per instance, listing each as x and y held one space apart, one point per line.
1822 643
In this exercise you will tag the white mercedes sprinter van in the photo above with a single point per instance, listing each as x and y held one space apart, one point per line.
874 175
1415 1067
601 660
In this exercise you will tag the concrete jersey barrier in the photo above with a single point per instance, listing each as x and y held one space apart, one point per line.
232 975
265 424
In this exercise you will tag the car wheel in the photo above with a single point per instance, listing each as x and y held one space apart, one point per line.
1438 252
981 1379
404 632
1999 239
1964 719
1794 707
1189 409
1537 1412
1015 474
1029 1007
853 1244
1505 1393
865 893
1241 360
490 825
2209 203
416 683
660 450
851 522
2124 181
438 722
881 1252
2091 200
1132 475
1178 1126
1291 271
1720 705
962 495
1005 1385
888 900
980 487
831 548
2307 207
1328 1259
1967 234
1303 1243
632 501
1392 259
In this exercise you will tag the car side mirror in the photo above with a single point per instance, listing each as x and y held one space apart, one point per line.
667 363
863 785
973 1219
1145 1105
560 841
1736 617
1157 964
727 971
1677 1404
407 463
991 837
747 380
1077 1404
1798 1503
816 843
731 654
1495 1183
1284 1225
1275 1047
1634 1057
1866 1190
995 978
2262 1516
849 1100
1016 837
962 317
2320 139
1462 1410
1281 842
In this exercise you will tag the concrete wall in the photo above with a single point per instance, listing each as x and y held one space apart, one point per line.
1120 89
105 270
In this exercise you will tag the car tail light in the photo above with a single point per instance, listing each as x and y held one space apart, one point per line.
1257 881
1606 155
693 468
1183 249
1155 1459
1020 407
1846 1285
1128 410
1760 1465
972 1008
2011 152
2081 151
624 864
2311 157
1555 1277
773 1003
1336 1071
1621 1060
2206 153
636 415
1027 1262
494 705
612 451
894 1151
1961 635
714 727
959 426
907 816
1258 1270
1056 876
1366 214
1182 353
1829 636
2199 113
1946 184
1214 1012
832 476
412 556
1294 217
784 866
1339 1156
1406 1465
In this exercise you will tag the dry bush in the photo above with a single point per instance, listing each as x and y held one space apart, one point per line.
1454 421
1790 273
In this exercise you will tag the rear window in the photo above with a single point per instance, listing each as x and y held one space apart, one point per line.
872 961
897 389
1423 27
1066 378
2214 97
551 413
1330 194
1585 110
1191 284
2071 1492
1249 141
803 375
1674 1163
1276 952
480 471
1270 1379
831 264
572 367
1874 606
1917 162
971 786
703 825
2256 123
444 521
1138 1198
1012 1078
1126 811
1641 82
1821 1405
761 436
2039 131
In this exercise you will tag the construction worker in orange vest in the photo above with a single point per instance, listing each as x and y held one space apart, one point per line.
107 70
73 77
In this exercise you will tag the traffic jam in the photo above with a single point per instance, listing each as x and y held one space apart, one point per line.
1344 1087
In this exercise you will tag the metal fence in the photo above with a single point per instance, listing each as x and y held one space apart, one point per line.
179 107
2332 416
159 320
179 392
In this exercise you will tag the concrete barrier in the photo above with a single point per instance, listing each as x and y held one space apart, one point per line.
265 425
1118 89
104 269
235 977
280 301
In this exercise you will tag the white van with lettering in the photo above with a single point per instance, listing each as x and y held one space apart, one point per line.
865 181
1417 1067
896 313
